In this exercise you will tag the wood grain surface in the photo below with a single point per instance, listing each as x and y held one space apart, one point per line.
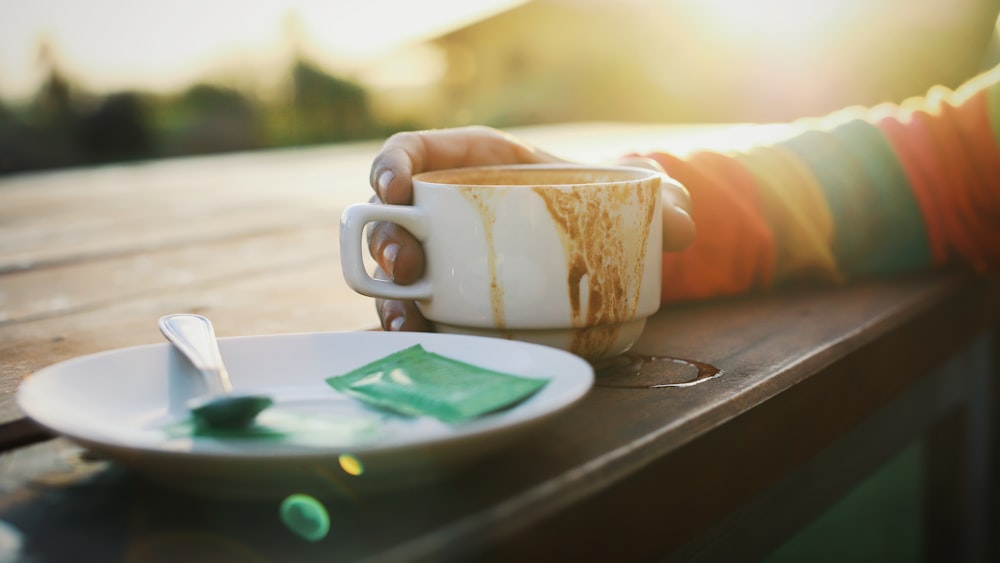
811 377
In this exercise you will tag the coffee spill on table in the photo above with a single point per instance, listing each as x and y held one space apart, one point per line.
600 248
637 371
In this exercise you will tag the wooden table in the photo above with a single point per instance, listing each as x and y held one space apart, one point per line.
818 387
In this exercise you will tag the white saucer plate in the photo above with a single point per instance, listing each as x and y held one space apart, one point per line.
128 405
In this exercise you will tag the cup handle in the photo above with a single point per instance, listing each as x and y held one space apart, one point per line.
352 225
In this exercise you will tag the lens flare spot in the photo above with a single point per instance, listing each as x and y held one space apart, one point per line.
11 543
351 465
305 516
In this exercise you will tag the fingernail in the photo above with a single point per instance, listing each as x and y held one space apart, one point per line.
389 253
385 178
396 324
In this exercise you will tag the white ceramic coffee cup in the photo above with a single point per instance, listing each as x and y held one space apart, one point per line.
563 255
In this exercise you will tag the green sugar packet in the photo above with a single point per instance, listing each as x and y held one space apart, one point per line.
415 382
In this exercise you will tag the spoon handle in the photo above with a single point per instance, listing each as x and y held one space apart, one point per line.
194 336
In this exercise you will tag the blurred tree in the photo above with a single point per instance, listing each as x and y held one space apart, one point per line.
326 108
53 104
18 148
117 129
63 126
52 116
207 119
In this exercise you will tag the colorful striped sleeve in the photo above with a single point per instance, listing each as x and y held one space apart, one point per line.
863 192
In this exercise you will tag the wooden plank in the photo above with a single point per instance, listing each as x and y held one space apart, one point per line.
682 492
959 469
613 464
312 297
51 464
119 210
757 528
22 432
73 287
768 346
305 298
75 242
69 216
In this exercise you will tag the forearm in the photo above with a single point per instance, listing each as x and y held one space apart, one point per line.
862 192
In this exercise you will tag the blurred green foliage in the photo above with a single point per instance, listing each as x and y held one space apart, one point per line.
63 126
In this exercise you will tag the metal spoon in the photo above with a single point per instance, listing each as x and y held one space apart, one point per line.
220 408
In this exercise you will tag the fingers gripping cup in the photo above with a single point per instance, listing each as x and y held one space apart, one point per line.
562 255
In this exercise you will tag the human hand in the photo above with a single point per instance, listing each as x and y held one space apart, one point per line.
398 254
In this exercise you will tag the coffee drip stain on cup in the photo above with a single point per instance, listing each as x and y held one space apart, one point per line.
612 265
604 256
489 216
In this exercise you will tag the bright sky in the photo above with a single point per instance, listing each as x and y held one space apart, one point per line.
166 44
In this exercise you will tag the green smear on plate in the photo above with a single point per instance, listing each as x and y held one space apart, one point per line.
415 382
189 427
307 429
